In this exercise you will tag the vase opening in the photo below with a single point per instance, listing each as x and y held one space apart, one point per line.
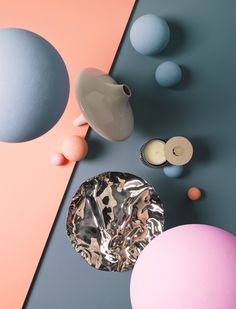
127 90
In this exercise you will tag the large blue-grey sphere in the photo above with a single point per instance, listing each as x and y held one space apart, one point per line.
34 85
168 74
149 34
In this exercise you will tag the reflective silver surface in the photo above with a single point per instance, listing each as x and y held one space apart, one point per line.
112 217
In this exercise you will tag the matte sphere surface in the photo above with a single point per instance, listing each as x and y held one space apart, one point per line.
34 85
168 74
173 171
194 193
75 148
149 34
190 266
58 159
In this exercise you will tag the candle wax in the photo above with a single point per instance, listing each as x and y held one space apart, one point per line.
154 152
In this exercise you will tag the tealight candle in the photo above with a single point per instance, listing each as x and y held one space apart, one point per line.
153 153
177 151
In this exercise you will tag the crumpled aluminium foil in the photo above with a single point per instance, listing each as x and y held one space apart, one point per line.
112 217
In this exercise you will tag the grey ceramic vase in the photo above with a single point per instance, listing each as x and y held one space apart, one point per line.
104 104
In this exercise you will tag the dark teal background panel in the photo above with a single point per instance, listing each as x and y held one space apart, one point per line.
203 108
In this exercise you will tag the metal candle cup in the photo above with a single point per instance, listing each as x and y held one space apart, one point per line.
152 153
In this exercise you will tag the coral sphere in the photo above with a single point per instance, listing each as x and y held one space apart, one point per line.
168 74
149 34
34 85
58 159
190 266
194 193
74 148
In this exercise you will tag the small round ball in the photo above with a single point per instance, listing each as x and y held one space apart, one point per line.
74 148
189 266
194 193
173 171
58 159
149 34
168 74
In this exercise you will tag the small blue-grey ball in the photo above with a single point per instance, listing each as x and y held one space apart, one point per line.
149 34
34 85
168 74
173 171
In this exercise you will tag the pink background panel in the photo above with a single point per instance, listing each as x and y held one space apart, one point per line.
86 33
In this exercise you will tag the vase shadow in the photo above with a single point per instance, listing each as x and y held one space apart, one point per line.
96 147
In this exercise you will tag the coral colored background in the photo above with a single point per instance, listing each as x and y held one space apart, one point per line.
86 33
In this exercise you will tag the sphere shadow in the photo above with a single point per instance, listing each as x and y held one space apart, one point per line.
178 208
186 79
202 150
177 39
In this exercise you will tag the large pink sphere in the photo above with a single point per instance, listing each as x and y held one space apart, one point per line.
187 267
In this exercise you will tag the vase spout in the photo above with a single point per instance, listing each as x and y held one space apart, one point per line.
118 93
126 90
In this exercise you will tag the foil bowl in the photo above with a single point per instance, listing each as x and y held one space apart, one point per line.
112 217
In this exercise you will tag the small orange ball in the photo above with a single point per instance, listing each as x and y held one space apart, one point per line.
75 148
194 193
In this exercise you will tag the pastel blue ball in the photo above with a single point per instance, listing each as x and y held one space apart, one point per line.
173 171
149 34
34 85
168 74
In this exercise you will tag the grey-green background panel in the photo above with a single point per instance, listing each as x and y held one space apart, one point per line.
202 108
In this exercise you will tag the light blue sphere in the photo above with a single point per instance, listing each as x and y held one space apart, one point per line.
34 85
149 34
168 74
173 171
